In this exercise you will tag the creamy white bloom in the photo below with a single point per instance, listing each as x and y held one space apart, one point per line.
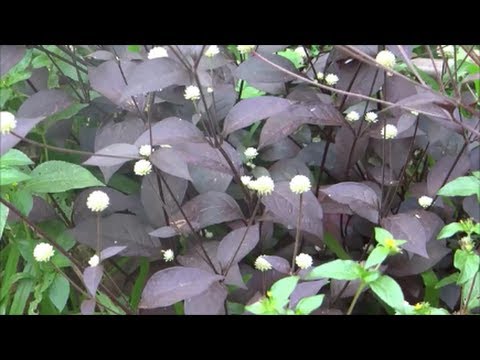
300 184
301 51
331 79
43 252
7 122
94 261
142 167
352 116
320 76
262 264
413 112
449 51
212 50
245 49
386 58
246 179
389 131
208 234
251 165
316 139
145 150
157 52
371 117
304 261
165 146
209 90
98 201
250 153
264 185
168 255
425 201
192 92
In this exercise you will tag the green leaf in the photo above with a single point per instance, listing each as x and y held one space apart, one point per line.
432 294
461 186
258 308
133 48
3 218
337 269
22 293
309 304
65 114
5 95
14 157
139 283
450 230
23 201
58 176
9 270
471 290
333 245
235 308
468 263
388 291
12 175
107 303
59 291
377 256
370 276
381 235
450 279
293 56
282 289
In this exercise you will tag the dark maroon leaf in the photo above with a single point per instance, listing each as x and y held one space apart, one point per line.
7 141
87 307
111 251
270 49
278 263
343 147
284 205
205 180
174 284
127 150
237 244
155 75
407 227
210 302
256 70
172 162
431 222
361 199
285 170
41 211
437 175
170 131
10 55
92 277
305 289
102 55
44 103
248 111
164 232
470 205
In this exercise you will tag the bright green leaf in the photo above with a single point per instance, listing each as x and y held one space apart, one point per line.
388 291
59 291
133 48
381 235
461 186
450 230
450 279
3 218
12 175
258 308
23 201
282 289
468 263
377 256
309 304
334 246
14 157
337 269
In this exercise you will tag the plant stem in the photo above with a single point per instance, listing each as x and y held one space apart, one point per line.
355 298
298 234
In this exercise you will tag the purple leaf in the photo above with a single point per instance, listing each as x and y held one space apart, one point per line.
8 141
172 162
88 307
342 148
305 289
210 302
205 180
44 103
111 251
278 263
256 70
438 173
470 205
248 111
127 150
92 277
10 56
174 284
164 232
284 205
285 170
239 239
102 55
170 131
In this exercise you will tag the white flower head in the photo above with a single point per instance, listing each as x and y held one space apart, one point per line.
209 90
250 153
331 79
251 165
389 131
300 184
43 252
371 117
212 50
157 52
262 264
352 116
264 185
192 92
304 261
413 112
425 201
449 51
301 51
246 179
245 49
98 201
208 234
145 150
142 167
94 261
7 122
386 58
320 75
168 255
316 139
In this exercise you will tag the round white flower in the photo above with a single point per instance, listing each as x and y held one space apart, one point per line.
264 185
386 58
425 201
246 179
449 51
331 79
209 90
94 261
212 50
43 252
168 255
389 131
316 139
371 117
320 76
300 184
250 153
208 234
98 201
352 116
145 150
413 112
301 51
157 52
262 264
304 261
192 92
245 49
142 167
7 122
251 165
